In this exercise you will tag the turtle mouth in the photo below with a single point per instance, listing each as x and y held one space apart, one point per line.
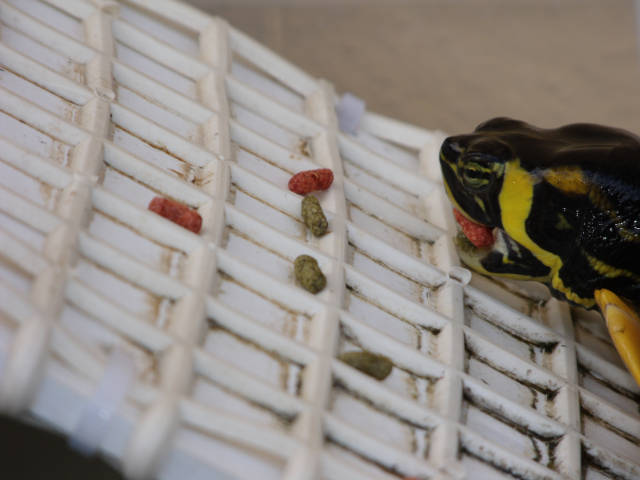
475 234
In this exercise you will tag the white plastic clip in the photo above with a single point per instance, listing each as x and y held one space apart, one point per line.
109 394
350 110
460 275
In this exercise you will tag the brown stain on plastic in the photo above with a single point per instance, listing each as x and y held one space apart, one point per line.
416 287
48 194
550 442
304 147
187 172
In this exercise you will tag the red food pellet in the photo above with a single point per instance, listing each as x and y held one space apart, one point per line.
477 234
311 180
177 213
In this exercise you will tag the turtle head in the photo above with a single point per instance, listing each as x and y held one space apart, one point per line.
473 171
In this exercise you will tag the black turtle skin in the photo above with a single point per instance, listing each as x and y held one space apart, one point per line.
594 228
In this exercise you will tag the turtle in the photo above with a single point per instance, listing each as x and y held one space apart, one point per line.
560 206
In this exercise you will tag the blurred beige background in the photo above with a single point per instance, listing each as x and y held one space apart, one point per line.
451 64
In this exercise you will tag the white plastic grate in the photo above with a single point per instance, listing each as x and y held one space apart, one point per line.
104 105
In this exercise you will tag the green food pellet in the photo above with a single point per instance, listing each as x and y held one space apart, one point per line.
376 366
308 274
313 216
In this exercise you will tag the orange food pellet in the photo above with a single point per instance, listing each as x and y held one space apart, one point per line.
177 213
477 234
311 180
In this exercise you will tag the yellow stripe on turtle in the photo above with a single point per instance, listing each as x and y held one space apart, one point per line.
480 203
515 200
624 327
452 198
568 179
558 284
608 270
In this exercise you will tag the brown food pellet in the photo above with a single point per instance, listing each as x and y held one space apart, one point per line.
372 364
311 180
308 274
177 213
313 216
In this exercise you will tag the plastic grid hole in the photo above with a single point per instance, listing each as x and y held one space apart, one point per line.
172 34
136 300
601 433
513 299
31 237
401 380
98 340
597 461
266 213
483 470
39 52
540 354
261 166
591 332
511 387
384 231
242 245
368 311
391 278
42 97
360 414
15 276
358 462
252 75
492 426
260 308
403 156
149 67
609 392
35 141
270 129
52 16
382 188
156 156
220 457
270 367
209 393
135 244
137 102
28 187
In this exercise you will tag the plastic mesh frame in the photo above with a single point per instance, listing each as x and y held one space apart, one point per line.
106 104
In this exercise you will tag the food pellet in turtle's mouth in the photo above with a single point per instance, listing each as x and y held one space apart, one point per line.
480 235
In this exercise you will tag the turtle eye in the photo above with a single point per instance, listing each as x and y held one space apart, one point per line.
477 176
